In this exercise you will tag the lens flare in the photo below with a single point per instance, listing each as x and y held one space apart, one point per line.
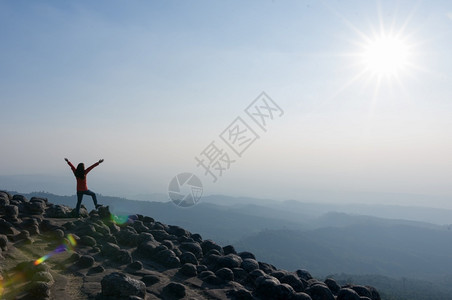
42 259
16 279
120 220
72 240
66 246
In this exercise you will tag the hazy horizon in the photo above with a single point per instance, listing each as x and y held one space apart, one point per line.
149 86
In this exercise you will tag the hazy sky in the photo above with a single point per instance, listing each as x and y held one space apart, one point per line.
148 85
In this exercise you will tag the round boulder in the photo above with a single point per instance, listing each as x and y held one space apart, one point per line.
150 279
320 292
294 282
188 257
120 285
225 273
347 294
43 276
188 270
174 289
85 261
303 274
193 247
249 264
332 285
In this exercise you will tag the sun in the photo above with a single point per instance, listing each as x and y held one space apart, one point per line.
386 56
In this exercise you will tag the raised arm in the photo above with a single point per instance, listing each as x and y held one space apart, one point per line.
70 164
93 166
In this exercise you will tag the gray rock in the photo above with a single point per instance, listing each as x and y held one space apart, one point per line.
283 291
225 273
208 245
39 290
58 211
205 274
174 289
374 292
332 285
24 234
104 212
267 268
347 294
197 237
136 265
11 211
127 236
150 279
229 261
43 276
294 282
168 244
120 285
6 227
144 237
194 248
362 291
35 208
123 257
3 242
212 279
115 253
49 226
4 200
256 274
167 258
201 268
266 287
246 254
178 231
188 257
110 249
20 198
320 292
188 270
5 194
301 296
87 240
241 294
229 249
303 274
147 219
148 249
85 261
139 227
278 274
240 275
96 269
249 264
160 235
101 228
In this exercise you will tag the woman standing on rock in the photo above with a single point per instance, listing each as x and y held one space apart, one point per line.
82 187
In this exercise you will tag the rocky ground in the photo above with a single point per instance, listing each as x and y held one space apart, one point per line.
47 254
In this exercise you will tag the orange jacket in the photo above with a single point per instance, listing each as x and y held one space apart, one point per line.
81 183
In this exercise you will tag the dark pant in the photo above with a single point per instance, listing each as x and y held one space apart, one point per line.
80 197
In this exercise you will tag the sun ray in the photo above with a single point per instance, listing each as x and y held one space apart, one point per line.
388 54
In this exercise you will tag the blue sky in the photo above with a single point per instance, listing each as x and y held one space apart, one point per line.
147 85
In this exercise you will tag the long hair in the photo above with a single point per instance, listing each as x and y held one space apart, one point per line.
80 171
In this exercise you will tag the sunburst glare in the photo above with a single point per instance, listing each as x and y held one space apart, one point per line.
386 56
383 57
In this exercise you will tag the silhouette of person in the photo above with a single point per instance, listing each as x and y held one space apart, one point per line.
82 187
